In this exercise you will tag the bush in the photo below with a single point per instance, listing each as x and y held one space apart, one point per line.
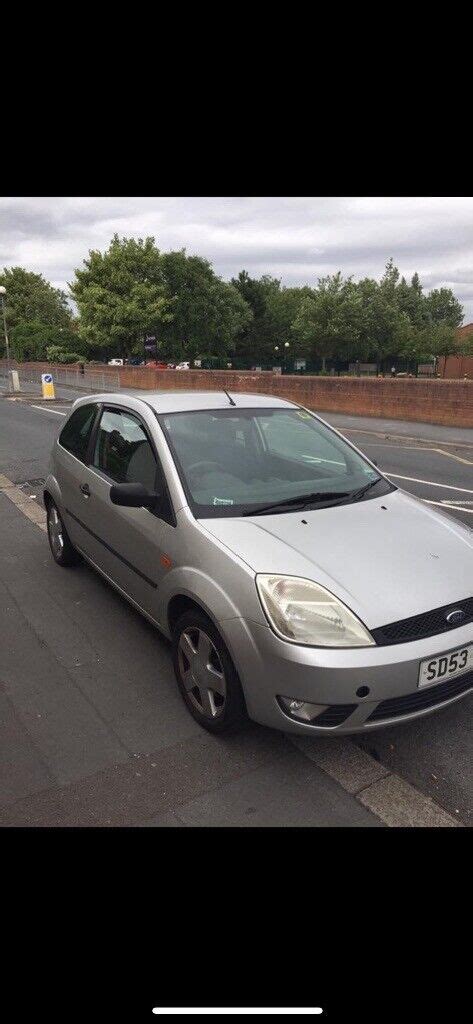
55 354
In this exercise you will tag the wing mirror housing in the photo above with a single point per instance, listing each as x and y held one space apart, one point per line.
132 496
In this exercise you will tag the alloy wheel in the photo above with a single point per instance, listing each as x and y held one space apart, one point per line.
55 532
202 673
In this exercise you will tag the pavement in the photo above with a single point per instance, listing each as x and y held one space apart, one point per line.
94 732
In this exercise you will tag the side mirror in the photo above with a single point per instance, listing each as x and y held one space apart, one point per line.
132 496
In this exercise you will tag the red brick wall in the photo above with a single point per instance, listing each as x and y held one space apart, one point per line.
447 402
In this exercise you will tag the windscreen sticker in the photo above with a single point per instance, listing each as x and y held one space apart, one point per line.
303 415
223 501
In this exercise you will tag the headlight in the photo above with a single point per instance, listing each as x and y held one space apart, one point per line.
306 613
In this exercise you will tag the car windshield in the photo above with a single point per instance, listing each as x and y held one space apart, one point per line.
241 461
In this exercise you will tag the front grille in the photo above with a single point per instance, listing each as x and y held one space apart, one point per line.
335 714
422 699
419 626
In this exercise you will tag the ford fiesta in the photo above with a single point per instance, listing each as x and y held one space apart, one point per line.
298 585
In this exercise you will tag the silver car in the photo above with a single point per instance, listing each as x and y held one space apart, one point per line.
297 584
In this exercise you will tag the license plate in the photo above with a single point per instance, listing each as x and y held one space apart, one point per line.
446 666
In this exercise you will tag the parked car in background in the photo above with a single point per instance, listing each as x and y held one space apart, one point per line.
183 366
115 362
297 583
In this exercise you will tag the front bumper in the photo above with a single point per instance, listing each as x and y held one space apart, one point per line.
269 667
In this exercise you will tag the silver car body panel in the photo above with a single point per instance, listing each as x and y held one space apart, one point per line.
386 558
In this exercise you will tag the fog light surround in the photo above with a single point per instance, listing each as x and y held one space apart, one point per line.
301 710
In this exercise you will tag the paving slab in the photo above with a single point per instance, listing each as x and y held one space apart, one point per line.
291 792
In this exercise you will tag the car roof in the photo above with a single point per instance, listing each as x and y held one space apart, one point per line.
188 401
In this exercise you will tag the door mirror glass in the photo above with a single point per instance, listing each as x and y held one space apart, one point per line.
133 496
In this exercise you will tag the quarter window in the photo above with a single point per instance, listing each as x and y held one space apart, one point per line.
76 433
123 451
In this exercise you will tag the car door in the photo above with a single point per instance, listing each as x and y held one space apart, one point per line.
127 543
69 467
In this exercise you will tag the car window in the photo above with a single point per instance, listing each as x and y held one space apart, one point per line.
287 435
76 432
232 460
123 451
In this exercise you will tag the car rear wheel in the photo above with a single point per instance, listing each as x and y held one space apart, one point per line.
63 552
206 675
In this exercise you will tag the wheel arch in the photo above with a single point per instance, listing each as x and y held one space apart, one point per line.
183 602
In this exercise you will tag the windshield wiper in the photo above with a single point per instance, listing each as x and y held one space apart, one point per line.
355 495
300 499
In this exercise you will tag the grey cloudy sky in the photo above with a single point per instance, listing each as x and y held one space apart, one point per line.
297 239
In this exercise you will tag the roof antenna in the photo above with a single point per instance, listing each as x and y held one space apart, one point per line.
230 399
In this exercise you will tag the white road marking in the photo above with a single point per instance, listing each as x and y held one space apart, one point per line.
42 409
403 437
417 448
430 483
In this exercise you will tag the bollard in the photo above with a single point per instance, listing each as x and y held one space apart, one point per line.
47 385
14 382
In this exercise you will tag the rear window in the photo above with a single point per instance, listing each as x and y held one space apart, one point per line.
76 433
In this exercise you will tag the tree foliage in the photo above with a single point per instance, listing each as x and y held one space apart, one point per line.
344 320
132 290
29 297
120 295
31 339
206 312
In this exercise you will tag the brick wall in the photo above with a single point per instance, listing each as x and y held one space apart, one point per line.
447 402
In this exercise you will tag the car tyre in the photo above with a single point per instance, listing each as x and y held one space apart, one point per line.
206 675
62 550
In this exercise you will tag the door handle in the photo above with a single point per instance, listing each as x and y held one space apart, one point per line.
85 490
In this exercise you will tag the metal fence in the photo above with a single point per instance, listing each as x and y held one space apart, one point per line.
90 380
65 377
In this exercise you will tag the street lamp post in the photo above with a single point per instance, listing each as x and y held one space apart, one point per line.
3 292
286 346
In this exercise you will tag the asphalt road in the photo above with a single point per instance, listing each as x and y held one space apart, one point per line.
93 709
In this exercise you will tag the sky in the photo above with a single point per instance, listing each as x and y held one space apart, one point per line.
295 238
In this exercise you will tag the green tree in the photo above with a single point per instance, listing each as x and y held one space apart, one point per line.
120 295
30 298
206 312
31 339
443 339
329 320
444 308
55 354
254 344
411 301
